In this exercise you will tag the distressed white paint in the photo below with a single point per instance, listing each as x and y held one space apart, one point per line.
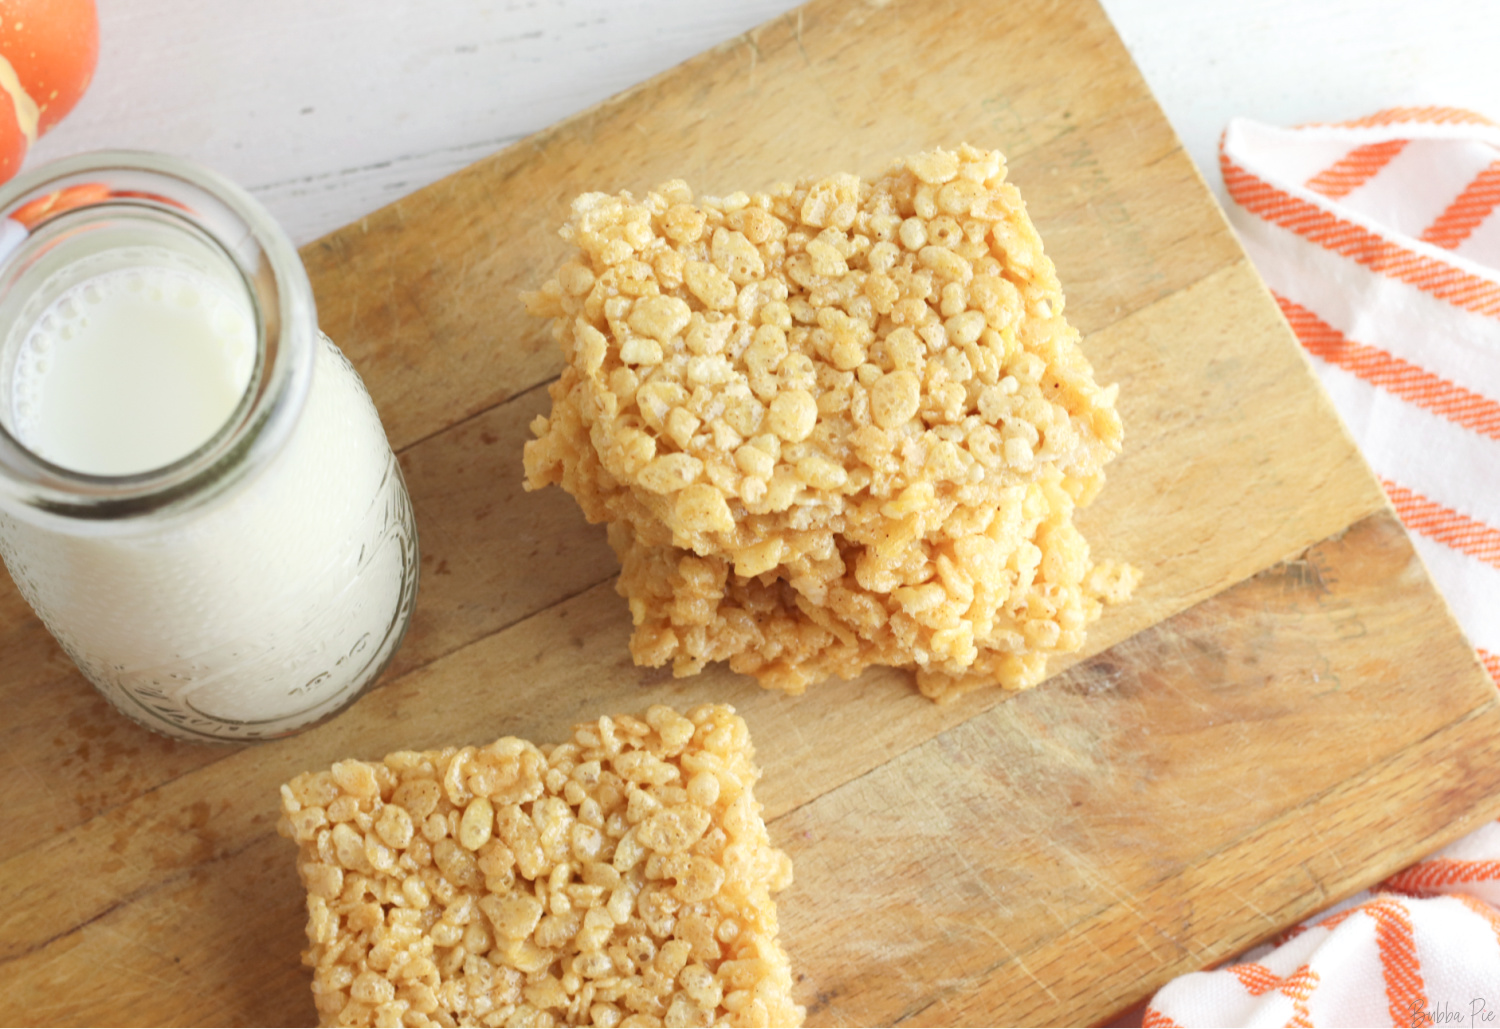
329 110
1287 62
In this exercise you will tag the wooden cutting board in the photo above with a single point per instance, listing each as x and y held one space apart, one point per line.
1286 712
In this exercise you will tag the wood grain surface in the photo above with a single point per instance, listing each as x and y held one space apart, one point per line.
358 102
1283 715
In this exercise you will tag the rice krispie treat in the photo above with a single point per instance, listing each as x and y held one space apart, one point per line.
622 878
836 424
999 618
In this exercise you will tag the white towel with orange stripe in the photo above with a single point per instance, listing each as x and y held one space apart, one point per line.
1380 239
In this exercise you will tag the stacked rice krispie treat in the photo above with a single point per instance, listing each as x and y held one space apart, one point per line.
838 424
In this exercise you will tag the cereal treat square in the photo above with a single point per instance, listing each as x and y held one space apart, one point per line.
838 424
622 878
692 610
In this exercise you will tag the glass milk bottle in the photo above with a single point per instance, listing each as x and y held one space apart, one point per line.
196 494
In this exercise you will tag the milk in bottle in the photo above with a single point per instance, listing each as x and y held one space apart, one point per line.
196 494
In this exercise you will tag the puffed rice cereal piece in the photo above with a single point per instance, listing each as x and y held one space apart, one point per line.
836 424
622 878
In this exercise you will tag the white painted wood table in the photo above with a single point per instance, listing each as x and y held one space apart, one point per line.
328 110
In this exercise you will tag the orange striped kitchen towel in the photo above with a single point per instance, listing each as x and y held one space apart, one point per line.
1380 239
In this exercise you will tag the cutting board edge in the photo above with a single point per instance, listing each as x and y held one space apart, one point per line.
1225 950
1459 742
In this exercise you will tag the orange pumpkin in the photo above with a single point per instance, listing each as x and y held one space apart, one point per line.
48 49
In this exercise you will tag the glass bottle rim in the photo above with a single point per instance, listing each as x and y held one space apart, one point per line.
40 207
